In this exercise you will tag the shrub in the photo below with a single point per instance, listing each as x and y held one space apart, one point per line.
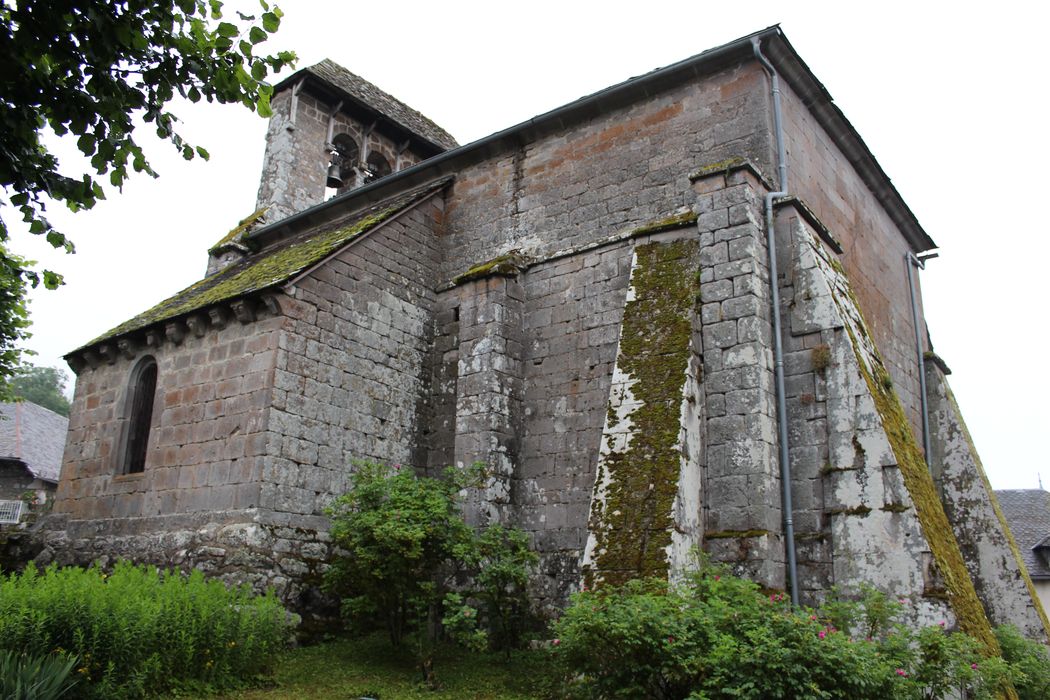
413 565
1030 659
715 635
33 677
138 630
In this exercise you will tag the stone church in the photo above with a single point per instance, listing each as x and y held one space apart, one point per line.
682 312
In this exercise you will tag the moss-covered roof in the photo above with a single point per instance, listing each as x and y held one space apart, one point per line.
268 267
237 234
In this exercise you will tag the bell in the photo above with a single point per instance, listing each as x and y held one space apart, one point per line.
335 176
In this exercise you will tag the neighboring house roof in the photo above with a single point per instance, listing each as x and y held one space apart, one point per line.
271 266
1027 512
35 436
357 88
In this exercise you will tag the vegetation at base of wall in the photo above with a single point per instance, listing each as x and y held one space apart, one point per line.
1030 659
36 676
718 636
140 631
413 566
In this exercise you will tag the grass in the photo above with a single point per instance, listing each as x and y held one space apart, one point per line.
348 669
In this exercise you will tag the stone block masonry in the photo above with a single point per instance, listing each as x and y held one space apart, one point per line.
742 514
583 303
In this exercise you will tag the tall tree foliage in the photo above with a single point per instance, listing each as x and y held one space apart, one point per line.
88 70
44 386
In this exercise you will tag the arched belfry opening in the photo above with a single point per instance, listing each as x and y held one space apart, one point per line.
138 415
378 166
343 167
334 130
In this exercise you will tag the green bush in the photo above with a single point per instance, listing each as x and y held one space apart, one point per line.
1030 659
412 564
717 636
34 677
138 630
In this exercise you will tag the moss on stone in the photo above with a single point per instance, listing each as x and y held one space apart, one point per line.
718 167
821 358
733 534
928 508
668 223
860 511
509 264
632 526
895 508
236 234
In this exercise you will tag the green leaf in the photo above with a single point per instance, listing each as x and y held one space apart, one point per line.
263 105
258 70
271 21
86 144
227 30
203 153
257 35
19 199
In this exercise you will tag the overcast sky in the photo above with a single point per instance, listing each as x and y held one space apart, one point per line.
951 102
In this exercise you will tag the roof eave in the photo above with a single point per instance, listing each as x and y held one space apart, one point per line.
309 75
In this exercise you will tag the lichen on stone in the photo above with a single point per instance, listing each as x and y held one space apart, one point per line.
631 514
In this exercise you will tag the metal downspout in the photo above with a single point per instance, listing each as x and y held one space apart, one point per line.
778 347
911 260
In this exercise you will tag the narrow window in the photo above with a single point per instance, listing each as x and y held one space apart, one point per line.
142 388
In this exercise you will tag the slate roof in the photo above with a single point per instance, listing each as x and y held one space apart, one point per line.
269 267
371 96
35 436
1027 512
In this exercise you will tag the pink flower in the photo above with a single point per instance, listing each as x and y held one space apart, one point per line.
670 640
942 623
973 666
812 617
822 634
901 672
718 578
555 642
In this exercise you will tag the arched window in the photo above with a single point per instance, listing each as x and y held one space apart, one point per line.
378 166
139 414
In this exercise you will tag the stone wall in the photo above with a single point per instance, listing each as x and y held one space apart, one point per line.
15 480
619 170
295 164
352 364
208 433
822 176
